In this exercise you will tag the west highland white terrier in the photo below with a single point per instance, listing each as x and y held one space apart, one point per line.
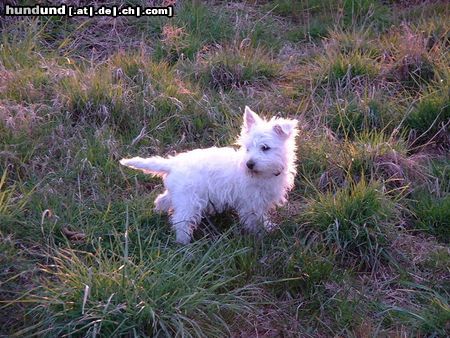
252 179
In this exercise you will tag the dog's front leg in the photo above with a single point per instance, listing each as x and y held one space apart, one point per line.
252 220
269 225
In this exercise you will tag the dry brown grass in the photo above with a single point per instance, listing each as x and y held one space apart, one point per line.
410 57
22 118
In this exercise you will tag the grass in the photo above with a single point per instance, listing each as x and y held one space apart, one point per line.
317 18
232 67
413 62
431 215
353 222
362 247
359 12
373 154
348 67
351 119
95 98
12 202
143 287
432 316
195 26
440 169
431 114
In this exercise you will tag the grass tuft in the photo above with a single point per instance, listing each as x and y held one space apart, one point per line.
194 26
431 116
353 222
12 203
231 67
95 97
351 66
142 288
432 215
410 61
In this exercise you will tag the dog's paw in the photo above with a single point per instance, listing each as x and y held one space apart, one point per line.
270 226
182 237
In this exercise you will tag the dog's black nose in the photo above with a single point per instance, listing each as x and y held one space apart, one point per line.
250 164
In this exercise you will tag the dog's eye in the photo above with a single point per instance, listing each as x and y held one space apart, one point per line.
265 147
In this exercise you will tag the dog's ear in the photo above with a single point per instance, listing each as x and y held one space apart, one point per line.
250 118
285 128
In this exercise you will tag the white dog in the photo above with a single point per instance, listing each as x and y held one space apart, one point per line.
250 180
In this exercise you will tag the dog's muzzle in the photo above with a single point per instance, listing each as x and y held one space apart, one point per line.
250 164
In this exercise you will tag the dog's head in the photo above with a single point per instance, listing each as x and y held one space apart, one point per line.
269 145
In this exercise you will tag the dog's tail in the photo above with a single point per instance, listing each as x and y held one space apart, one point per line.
157 166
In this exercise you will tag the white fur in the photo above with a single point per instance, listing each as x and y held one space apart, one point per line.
214 179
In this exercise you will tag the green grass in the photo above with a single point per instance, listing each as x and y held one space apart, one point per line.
431 317
344 67
366 12
312 28
351 119
232 67
19 44
315 19
199 26
362 247
432 215
95 98
440 169
332 164
28 86
353 222
142 287
12 202
431 114
438 260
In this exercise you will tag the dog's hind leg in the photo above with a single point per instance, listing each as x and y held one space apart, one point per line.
185 218
163 203
184 224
